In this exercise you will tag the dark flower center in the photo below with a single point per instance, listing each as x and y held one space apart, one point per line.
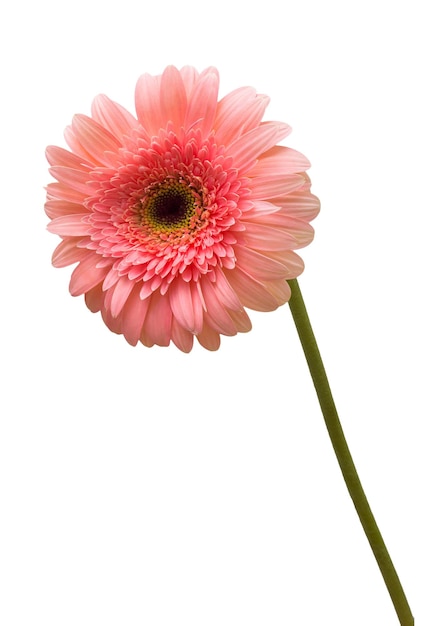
169 206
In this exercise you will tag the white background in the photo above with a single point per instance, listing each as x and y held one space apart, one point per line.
148 487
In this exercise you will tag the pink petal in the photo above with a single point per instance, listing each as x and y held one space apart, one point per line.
69 226
173 97
148 105
111 278
186 308
157 326
133 316
209 338
189 77
300 204
95 139
67 253
217 315
280 161
262 237
112 116
76 147
252 293
182 338
113 323
266 187
225 292
58 191
94 299
120 294
59 208
259 265
76 179
237 113
241 321
86 275
202 103
280 290
259 209
300 230
293 262
60 156
246 150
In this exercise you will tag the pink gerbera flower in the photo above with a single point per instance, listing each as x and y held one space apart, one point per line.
183 216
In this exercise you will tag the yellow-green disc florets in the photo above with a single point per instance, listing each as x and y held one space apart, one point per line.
170 206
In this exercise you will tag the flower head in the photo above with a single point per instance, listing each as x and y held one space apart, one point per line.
182 216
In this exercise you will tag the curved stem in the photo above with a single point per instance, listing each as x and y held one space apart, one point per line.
344 457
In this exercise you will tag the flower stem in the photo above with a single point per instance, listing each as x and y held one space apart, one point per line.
343 455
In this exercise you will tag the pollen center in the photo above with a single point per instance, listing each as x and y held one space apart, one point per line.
170 206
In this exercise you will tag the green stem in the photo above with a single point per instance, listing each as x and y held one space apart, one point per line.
344 457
